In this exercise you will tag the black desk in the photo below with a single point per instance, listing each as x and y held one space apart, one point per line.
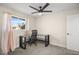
44 38
22 42
40 37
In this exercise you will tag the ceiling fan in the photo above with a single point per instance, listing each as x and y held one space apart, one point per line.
41 9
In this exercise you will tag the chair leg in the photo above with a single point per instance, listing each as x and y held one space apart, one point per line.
30 43
35 43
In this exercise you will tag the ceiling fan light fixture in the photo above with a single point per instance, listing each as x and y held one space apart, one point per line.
40 14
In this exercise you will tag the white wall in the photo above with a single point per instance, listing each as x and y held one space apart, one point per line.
32 23
55 25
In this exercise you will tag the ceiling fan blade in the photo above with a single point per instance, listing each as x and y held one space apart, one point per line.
34 8
44 6
34 12
46 11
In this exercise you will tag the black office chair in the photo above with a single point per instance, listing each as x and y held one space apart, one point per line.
33 37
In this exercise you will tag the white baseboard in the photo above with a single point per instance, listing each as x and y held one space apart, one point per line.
57 45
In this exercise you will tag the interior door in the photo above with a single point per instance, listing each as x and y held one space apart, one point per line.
73 32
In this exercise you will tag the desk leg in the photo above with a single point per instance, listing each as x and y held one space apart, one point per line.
46 40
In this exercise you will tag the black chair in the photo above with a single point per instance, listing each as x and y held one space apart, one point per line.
33 37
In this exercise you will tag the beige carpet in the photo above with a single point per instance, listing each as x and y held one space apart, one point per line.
40 49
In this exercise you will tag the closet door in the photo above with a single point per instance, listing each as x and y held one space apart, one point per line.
73 32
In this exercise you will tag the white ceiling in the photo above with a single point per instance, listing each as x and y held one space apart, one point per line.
24 7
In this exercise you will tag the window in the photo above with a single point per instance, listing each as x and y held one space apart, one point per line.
18 23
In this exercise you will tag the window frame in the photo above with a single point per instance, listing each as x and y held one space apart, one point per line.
26 22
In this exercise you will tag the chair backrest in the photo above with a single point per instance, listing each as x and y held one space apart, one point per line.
34 35
34 32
